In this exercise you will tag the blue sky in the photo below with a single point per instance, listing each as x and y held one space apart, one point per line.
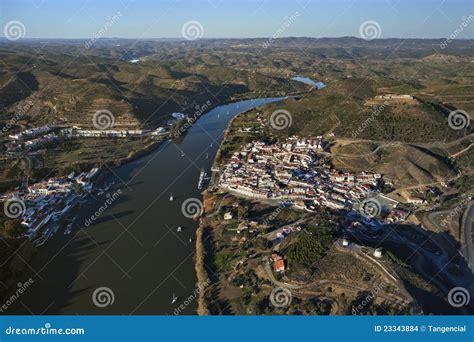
238 18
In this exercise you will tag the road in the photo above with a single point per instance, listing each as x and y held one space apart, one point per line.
320 283
467 220
383 144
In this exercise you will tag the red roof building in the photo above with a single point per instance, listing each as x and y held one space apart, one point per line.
280 265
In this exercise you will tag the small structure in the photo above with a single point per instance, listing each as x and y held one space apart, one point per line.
228 216
345 242
394 97
378 252
415 200
280 265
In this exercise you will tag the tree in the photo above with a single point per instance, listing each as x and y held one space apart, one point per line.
12 229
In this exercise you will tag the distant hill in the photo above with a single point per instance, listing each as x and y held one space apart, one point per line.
67 82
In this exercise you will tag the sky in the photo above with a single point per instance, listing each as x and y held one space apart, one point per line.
238 18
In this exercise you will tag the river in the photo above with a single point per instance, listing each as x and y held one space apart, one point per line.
309 81
133 247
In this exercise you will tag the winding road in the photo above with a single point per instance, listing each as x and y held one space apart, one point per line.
467 220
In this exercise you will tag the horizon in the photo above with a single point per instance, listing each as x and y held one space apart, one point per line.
237 38
243 19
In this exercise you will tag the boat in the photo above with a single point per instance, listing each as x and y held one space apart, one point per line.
174 299
218 115
190 239
171 196
202 177
207 155
108 186
178 229
68 229
211 145
182 153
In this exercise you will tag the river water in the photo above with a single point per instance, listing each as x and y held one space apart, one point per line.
133 248
309 81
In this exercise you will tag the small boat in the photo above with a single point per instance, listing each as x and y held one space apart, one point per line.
207 155
190 240
108 186
218 115
178 229
70 226
182 153
211 145
171 196
174 299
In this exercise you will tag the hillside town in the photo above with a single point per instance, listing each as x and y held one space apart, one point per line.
42 206
40 137
294 170
45 206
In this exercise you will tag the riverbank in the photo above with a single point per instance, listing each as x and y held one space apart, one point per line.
70 274
201 238
201 273
230 250
204 233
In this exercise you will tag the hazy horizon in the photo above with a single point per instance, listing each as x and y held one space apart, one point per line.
218 19
238 38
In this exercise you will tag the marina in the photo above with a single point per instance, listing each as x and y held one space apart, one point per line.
202 179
